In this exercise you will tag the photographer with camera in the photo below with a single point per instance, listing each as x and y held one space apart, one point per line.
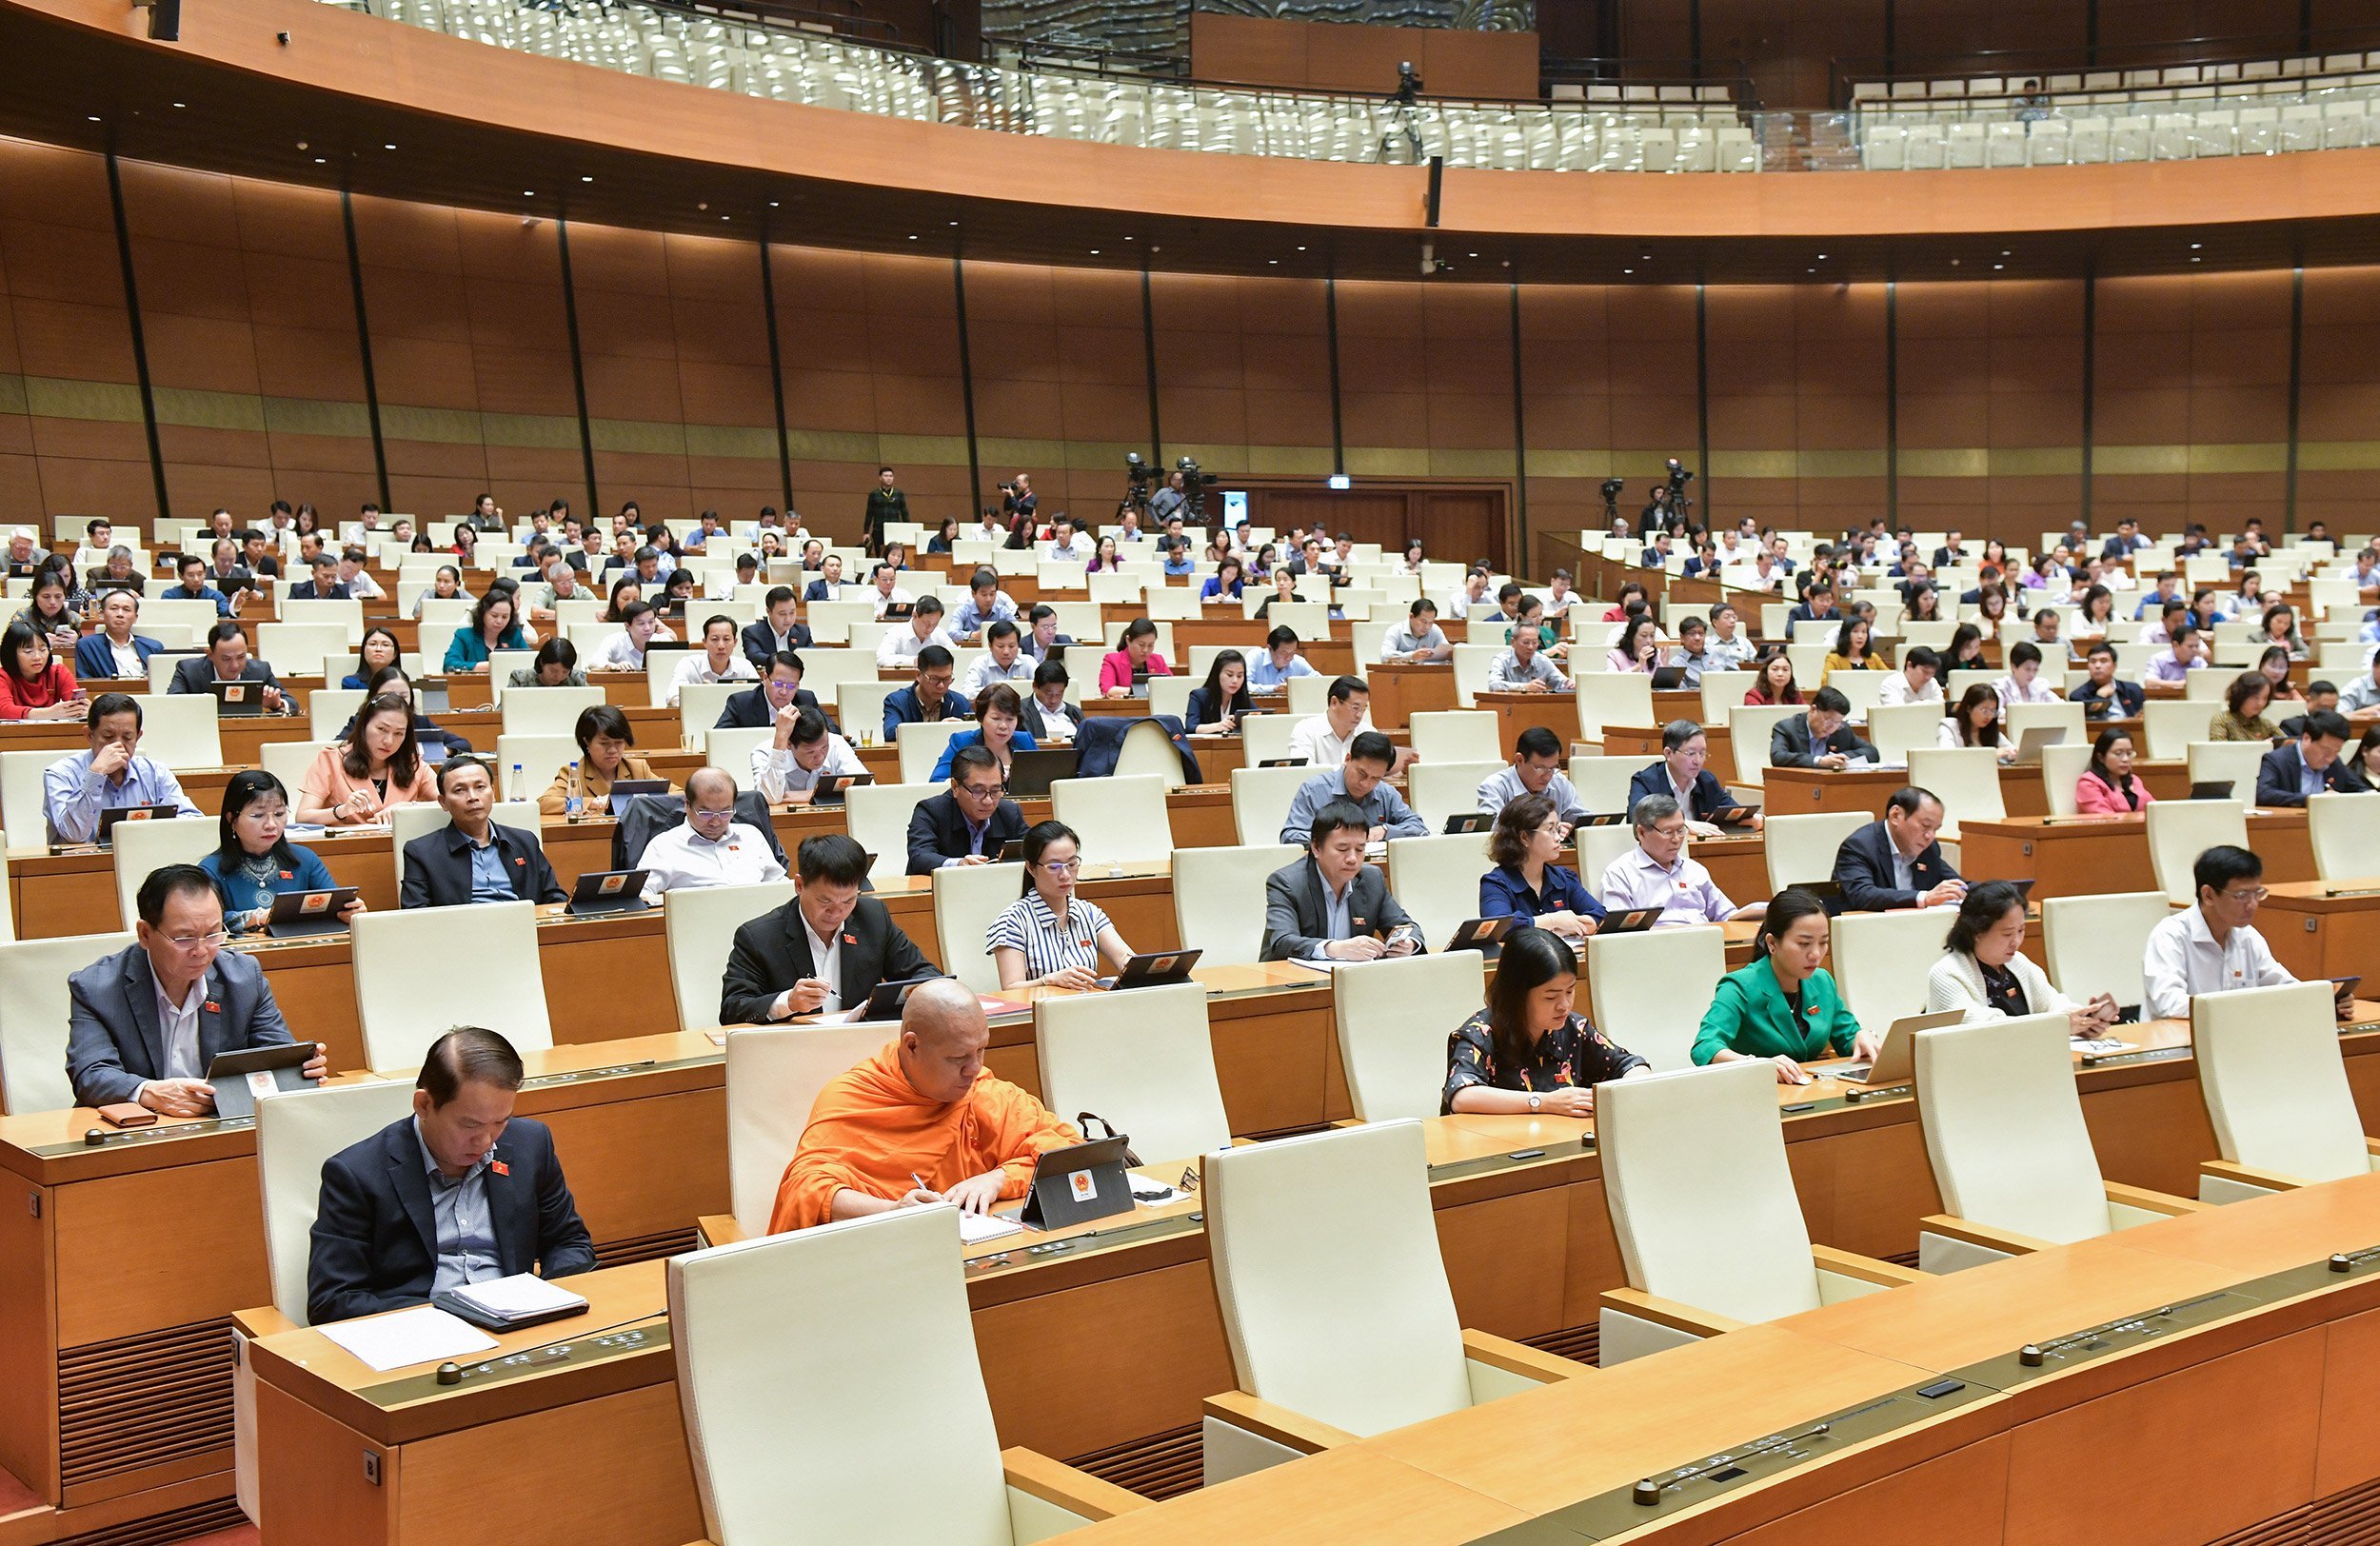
1017 503
1171 500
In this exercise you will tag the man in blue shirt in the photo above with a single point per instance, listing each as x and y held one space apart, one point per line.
111 776
1362 782
1279 661
1177 561
195 589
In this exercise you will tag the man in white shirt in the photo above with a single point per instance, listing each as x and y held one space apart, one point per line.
2362 695
1474 591
1063 545
717 661
1004 659
1917 681
625 650
361 585
1322 740
902 641
1536 769
801 752
1656 873
888 593
712 847
1522 668
1726 646
2213 948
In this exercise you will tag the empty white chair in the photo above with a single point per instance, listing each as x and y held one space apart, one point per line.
2170 136
2062 767
966 899
2048 142
698 926
1881 962
1965 779
878 817
1649 989
1802 848
1881 147
2095 944
2346 833
919 744
774 1076
820 1418
1964 144
1439 790
2128 138
1455 736
1262 739
1218 899
1898 730
1120 820
2003 1131
179 730
1704 1210
1394 1019
2180 830
2170 725
1288 1224
2004 145
2259 131
550 711
2276 1092
2343 124
143 846
1260 797
2089 141
1436 878
1148 1071
1926 147
1612 698
2215 134
34 1007
421 972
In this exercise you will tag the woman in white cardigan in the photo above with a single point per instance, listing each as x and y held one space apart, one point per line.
1983 971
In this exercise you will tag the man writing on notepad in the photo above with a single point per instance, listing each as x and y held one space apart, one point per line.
823 951
922 1121
460 1191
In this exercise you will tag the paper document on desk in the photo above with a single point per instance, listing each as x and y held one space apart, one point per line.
975 1228
423 1334
2101 1047
1318 963
522 1295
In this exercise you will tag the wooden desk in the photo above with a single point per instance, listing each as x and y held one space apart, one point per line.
1400 692
2073 856
1802 790
1518 711
2319 928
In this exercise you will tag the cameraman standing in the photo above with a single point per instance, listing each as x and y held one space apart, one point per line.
1017 501
1661 515
1168 500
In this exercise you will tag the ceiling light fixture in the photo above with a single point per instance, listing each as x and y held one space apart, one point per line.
584 178
181 103
384 147
529 192
321 161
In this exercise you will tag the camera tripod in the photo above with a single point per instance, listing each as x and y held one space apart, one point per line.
1404 123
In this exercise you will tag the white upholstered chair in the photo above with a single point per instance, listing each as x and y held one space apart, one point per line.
1288 1225
1394 1019
966 899
1436 881
2346 833
1143 1062
878 817
141 846
1438 790
1648 990
1881 961
699 926
1802 848
1218 899
2097 943
2180 830
421 972
812 1425
2004 1130
2276 1091
1455 735
1120 820
34 1007
774 1076
1703 1208
1259 799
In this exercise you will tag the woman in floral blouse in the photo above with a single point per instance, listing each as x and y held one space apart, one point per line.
1527 1051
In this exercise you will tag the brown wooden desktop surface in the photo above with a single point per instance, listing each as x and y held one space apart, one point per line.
2071 856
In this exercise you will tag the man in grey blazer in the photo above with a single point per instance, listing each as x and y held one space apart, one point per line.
1330 905
143 1023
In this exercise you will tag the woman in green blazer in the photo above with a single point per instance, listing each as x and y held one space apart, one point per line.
1784 1006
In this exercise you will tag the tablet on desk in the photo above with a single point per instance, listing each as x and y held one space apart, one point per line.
885 1002
830 788
627 789
1154 969
1074 1185
1733 816
1631 920
599 893
108 819
298 913
1483 934
238 700
1668 678
240 1076
1470 821
2212 789
1031 773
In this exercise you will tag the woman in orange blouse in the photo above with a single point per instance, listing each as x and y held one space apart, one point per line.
353 782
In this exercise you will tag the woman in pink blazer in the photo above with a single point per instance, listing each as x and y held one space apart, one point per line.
2108 787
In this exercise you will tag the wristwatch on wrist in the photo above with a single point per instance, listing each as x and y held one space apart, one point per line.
1537 1101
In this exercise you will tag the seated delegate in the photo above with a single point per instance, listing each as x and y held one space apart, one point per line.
1896 861
1658 873
111 776
1051 936
488 1185
999 718
254 862
710 846
1985 973
2212 945
605 735
1681 776
2109 787
1784 1006
1818 737
922 1122
823 951
1331 905
353 782
227 660
1536 769
472 859
2295 772
1529 1050
967 823
800 752
1525 882
1361 779
928 699
143 1025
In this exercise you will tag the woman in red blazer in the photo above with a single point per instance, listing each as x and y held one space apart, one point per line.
33 685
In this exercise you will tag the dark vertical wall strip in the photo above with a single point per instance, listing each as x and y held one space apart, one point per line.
577 369
1892 404
2091 33
1693 33
1520 433
1890 25
1702 396
1330 324
364 347
2090 364
2297 386
776 373
967 382
140 347
1148 349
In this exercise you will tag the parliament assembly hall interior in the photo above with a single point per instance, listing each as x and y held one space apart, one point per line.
915 772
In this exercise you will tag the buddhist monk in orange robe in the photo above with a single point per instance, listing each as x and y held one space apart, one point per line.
923 1109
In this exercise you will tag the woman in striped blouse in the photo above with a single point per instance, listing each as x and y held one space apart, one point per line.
1050 937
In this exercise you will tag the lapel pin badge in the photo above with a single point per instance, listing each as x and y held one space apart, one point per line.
499 1167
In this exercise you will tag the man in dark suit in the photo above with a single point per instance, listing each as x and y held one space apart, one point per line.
1681 775
2102 694
885 503
1952 551
776 633
95 652
825 950
928 698
756 708
143 1023
227 660
1330 905
1048 718
967 823
1819 739
459 1193
471 858
323 586
2308 765
828 585
1896 863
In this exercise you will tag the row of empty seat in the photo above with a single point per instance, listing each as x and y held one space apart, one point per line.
2336 124
2153 83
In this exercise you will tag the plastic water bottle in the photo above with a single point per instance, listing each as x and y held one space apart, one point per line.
516 782
572 805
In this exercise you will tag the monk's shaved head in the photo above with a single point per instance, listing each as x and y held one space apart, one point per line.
942 1038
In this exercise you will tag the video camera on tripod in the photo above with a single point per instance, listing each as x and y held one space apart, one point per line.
1678 478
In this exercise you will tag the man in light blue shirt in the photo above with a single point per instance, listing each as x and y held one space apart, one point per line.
467 1232
1362 782
1178 559
985 603
1280 660
108 777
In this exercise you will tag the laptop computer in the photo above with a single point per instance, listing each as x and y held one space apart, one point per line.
599 893
1154 969
1030 773
1896 1060
238 700
297 914
108 818
627 789
2029 745
2212 789
240 1076
831 787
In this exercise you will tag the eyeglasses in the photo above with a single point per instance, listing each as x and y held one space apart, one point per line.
198 941
1068 865
2256 896
980 791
